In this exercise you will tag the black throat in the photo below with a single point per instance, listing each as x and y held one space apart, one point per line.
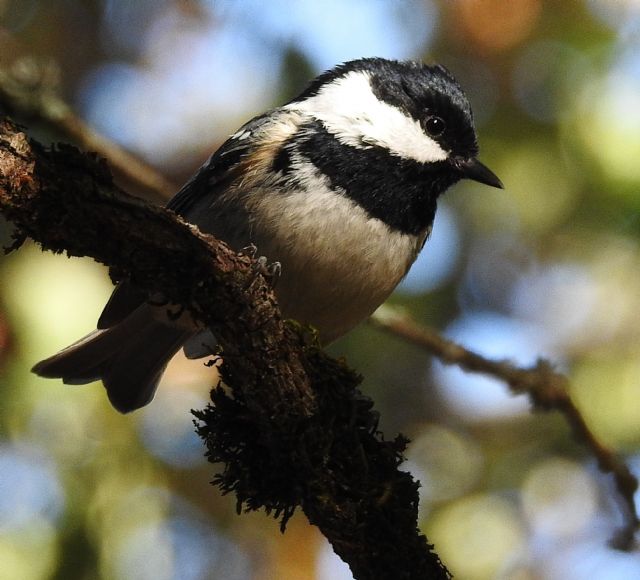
400 192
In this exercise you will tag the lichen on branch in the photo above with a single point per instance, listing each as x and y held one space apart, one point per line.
290 427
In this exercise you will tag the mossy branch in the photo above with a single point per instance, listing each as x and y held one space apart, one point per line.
292 430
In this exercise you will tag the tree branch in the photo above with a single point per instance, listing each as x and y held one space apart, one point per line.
292 428
547 389
23 91
26 90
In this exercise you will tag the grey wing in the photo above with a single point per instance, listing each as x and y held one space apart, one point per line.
191 202
214 174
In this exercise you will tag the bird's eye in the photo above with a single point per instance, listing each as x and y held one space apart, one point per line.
435 126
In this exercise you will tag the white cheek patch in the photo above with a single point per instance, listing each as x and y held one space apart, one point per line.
349 110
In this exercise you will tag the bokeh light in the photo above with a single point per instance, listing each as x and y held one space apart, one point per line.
437 263
545 79
478 536
448 464
611 106
30 491
548 267
162 109
330 566
559 498
165 432
559 298
335 31
477 396
518 18
32 501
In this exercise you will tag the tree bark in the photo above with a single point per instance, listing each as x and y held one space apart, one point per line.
290 427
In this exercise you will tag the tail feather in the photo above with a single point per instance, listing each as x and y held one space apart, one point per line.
81 362
132 376
129 358
125 299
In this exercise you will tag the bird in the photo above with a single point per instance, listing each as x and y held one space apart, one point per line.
339 186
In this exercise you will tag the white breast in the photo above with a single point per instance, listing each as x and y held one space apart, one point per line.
338 264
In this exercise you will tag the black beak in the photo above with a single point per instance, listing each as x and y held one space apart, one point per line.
473 169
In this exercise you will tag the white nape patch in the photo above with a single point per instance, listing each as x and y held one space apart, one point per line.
348 109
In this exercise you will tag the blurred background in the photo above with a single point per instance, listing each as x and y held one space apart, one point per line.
548 267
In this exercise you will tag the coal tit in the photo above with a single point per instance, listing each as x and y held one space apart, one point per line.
339 185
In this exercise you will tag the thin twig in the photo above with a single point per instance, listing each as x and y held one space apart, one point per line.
26 89
547 389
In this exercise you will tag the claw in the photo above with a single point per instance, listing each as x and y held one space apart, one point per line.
251 250
271 271
275 269
262 265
